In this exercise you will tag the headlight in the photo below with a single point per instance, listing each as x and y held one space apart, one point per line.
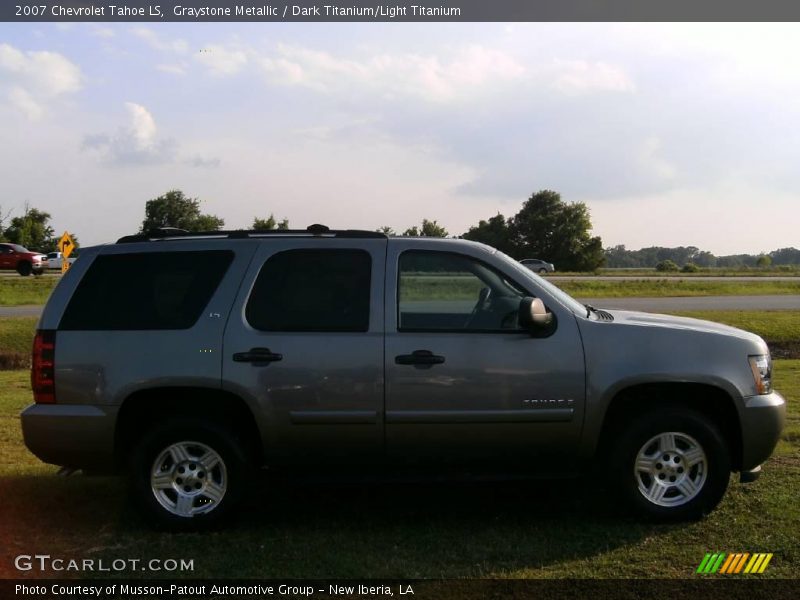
761 365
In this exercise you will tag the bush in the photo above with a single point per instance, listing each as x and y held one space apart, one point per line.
667 265
690 267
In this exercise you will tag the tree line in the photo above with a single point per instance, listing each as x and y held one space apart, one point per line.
545 227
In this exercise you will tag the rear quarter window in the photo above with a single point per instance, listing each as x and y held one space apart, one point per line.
148 290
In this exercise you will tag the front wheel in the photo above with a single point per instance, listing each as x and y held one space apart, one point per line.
671 464
24 268
543 271
188 474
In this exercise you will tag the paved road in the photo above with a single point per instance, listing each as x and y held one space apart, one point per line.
783 302
20 311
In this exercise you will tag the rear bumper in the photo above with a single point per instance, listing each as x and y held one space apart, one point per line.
762 419
71 435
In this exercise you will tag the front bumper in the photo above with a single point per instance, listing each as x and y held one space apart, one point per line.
762 420
71 435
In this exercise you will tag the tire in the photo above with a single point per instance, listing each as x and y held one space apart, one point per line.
188 474
24 268
649 465
542 271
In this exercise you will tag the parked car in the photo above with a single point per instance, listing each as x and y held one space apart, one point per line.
190 360
539 266
55 260
18 258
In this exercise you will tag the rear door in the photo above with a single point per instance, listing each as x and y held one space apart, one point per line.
304 344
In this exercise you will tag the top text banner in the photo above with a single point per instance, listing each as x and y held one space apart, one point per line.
415 11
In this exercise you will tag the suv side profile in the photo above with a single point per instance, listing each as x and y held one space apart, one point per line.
192 360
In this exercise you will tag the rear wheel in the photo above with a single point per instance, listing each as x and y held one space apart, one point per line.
24 268
672 464
188 474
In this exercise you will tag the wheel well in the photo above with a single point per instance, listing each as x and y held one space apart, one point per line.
142 409
712 402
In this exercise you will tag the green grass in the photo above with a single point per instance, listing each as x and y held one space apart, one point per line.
16 340
772 325
663 287
526 530
16 291
782 271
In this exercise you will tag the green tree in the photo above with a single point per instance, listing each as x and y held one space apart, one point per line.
175 209
428 229
269 224
764 261
31 230
387 230
495 232
556 231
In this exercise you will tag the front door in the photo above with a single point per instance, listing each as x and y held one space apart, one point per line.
464 383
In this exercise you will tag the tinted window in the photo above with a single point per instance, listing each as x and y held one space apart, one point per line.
440 291
153 290
312 290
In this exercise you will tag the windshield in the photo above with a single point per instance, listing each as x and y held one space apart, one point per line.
18 248
551 289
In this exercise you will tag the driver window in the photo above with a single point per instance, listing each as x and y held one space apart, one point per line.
440 291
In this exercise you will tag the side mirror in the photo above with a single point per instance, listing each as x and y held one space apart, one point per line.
533 314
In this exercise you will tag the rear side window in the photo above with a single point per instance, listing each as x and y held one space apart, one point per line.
153 290
312 290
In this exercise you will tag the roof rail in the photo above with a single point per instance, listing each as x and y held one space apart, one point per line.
316 230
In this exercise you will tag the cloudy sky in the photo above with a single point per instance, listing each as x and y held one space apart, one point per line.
672 134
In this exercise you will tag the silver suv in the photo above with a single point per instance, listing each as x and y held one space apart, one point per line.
192 360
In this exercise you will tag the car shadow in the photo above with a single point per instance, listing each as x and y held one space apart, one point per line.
320 529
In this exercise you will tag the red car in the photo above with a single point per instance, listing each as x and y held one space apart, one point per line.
21 260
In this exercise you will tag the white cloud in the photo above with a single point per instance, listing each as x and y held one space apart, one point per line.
466 71
35 79
576 77
23 101
174 69
157 42
103 32
221 60
136 144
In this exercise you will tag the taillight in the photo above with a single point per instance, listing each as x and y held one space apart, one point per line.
43 367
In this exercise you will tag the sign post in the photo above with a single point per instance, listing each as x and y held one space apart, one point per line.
65 245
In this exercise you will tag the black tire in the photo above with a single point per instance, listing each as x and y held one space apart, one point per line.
24 268
543 271
196 436
632 484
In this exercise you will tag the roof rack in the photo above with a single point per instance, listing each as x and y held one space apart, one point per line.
316 230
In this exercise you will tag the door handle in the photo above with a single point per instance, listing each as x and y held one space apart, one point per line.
257 355
420 359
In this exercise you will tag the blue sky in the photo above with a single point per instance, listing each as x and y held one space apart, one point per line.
672 134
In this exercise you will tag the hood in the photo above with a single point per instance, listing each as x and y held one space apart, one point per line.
668 321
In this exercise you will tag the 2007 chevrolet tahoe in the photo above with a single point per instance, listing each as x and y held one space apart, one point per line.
190 360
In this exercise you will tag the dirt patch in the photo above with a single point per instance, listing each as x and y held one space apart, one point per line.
784 349
10 361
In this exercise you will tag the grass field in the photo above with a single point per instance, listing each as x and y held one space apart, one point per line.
15 291
664 287
498 530
781 271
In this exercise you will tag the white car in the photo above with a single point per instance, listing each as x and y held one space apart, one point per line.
54 260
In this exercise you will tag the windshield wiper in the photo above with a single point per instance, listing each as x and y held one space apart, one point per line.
589 310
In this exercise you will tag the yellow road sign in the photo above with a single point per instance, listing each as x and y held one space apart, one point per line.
66 245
